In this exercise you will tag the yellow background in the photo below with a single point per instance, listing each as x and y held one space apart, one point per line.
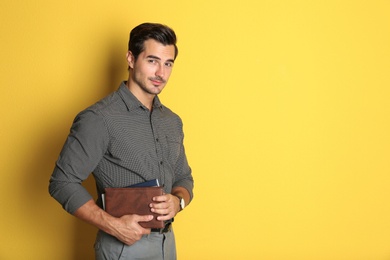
286 112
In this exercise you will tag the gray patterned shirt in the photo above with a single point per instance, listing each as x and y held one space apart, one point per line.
122 143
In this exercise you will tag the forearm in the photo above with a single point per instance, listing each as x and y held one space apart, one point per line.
91 213
182 192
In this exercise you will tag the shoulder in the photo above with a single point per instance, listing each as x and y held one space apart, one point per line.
104 107
93 118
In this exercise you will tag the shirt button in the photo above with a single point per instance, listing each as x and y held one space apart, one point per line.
161 162
156 139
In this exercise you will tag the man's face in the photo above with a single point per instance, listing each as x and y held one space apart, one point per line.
153 67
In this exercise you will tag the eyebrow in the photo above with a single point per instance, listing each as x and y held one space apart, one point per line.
158 58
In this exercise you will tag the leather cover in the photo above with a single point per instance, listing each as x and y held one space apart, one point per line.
125 201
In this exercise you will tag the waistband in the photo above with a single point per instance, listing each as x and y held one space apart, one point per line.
165 229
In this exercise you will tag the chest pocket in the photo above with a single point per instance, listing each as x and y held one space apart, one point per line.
174 145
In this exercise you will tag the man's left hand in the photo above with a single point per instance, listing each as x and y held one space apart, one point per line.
166 205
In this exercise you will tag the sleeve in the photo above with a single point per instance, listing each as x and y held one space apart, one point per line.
183 172
81 153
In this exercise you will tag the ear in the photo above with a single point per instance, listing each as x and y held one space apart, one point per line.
130 59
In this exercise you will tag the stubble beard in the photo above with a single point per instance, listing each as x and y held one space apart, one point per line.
143 85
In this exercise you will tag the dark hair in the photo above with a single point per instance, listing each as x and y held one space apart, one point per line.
158 32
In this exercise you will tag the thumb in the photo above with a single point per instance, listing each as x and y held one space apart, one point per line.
144 218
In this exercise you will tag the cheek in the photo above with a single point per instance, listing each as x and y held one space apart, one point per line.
147 71
168 73
142 72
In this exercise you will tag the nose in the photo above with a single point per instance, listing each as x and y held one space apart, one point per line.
160 71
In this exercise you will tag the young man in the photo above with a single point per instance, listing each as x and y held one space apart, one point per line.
127 138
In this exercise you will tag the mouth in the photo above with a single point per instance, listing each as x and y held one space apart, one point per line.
157 81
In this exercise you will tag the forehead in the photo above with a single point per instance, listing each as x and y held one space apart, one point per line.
154 48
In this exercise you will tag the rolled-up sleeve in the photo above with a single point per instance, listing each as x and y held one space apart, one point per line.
84 148
183 172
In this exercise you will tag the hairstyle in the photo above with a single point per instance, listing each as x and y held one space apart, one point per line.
143 32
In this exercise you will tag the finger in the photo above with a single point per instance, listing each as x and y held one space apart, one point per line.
143 218
160 211
161 198
165 217
147 231
160 205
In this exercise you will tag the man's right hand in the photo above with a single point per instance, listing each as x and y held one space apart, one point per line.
127 229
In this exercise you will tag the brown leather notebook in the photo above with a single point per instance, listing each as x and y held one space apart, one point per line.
125 201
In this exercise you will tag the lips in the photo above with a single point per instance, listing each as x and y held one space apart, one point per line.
157 81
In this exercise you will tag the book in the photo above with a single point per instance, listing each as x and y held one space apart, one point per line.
150 183
135 200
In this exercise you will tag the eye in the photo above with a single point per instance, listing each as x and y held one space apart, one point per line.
152 61
169 64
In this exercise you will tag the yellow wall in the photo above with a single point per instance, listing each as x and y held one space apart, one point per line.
286 111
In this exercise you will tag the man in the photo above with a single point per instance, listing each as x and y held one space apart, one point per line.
127 138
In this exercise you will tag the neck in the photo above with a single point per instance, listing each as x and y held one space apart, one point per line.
145 98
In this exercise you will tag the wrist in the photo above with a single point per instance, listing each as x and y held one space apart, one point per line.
181 202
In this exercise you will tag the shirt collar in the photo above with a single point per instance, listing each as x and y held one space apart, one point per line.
132 102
